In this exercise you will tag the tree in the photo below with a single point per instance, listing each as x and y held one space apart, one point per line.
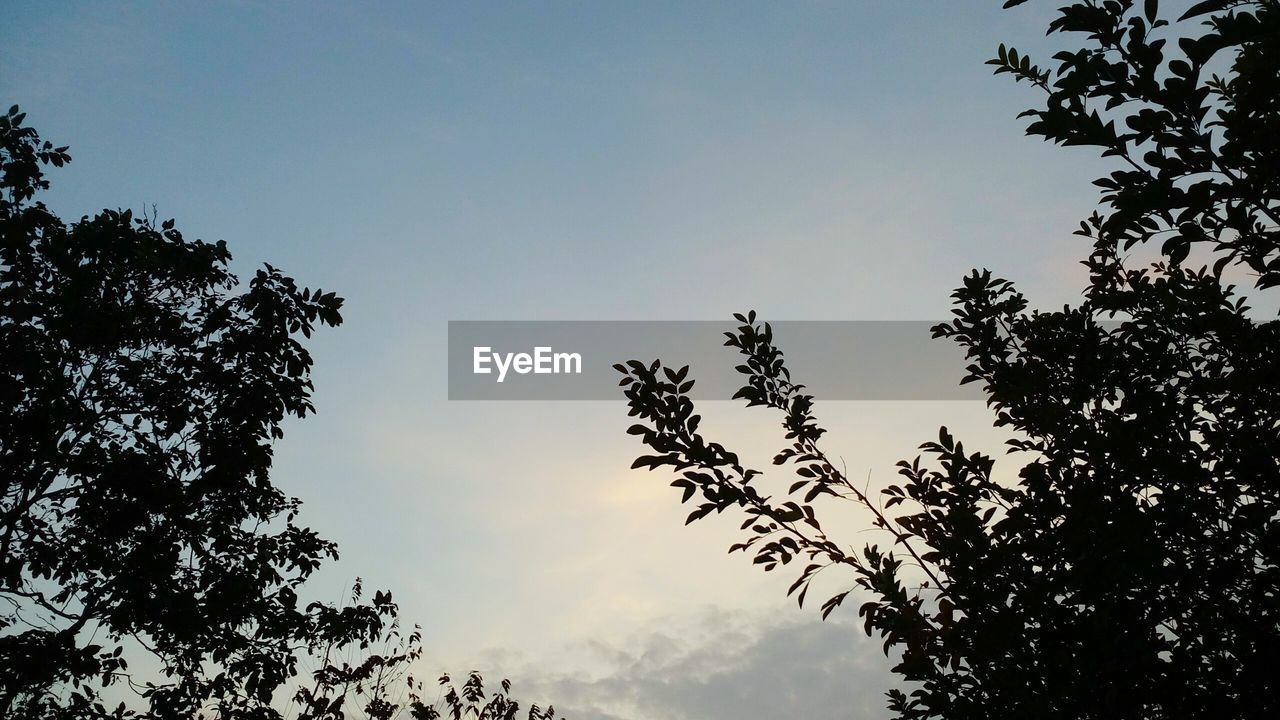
141 389
1133 570
380 684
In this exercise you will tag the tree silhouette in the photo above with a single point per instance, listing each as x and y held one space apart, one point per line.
374 680
141 388
1133 569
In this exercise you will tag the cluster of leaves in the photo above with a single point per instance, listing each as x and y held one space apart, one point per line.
349 676
141 389
1132 569
470 701
374 679
1201 151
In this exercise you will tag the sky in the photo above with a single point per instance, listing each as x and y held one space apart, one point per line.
571 161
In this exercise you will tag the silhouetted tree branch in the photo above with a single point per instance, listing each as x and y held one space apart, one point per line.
1133 570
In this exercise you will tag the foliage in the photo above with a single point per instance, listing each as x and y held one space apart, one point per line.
141 395
141 389
380 685
1133 568
470 701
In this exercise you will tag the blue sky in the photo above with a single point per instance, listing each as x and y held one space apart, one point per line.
564 160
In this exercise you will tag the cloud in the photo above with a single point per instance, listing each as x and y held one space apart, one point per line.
724 665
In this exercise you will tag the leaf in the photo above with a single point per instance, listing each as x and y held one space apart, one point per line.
1203 8
833 603
1176 248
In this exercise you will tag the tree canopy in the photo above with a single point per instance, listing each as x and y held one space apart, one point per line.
1132 569
141 388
